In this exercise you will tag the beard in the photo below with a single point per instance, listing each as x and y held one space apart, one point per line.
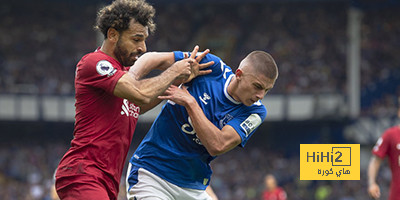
123 56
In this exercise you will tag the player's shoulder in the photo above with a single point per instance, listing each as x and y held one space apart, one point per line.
97 62
220 68
392 131
95 57
213 57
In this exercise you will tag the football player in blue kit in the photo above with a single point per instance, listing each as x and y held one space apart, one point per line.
202 119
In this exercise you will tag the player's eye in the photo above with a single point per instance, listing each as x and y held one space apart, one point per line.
258 87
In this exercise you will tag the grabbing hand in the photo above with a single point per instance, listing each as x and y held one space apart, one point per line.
178 95
184 68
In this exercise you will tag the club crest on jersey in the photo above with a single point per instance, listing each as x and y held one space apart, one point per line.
225 120
104 67
251 123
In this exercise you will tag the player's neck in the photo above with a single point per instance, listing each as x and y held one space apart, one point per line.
232 88
108 49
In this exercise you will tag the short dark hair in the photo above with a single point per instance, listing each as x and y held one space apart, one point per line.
262 62
119 13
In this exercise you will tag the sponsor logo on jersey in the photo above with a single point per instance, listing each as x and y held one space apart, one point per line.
104 67
251 123
188 129
130 109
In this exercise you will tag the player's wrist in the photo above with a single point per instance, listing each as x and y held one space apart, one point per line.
190 102
371 183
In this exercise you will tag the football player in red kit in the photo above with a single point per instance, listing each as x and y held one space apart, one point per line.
109 98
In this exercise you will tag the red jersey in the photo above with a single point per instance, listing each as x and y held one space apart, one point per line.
104 123
389 145
276 194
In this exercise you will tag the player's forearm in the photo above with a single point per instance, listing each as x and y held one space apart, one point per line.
209 135
144 91
150 61
151 88
373 169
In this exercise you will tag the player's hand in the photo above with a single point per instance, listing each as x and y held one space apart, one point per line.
183 67
197 69
178 95
374 191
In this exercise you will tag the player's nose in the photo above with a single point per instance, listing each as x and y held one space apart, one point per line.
260 95
142 47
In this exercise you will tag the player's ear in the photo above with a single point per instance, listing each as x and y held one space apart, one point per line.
112 35
238 73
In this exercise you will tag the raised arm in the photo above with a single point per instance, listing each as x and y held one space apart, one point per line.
373 169
216 141
145 90
150 61
141 91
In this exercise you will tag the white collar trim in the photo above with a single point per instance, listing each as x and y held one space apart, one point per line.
228 80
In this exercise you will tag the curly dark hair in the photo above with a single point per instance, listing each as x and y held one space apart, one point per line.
119 13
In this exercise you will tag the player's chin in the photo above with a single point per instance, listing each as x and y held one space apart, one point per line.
248 103
131 62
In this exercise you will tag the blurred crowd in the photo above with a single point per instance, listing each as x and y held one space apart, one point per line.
27 170
308 40
41 45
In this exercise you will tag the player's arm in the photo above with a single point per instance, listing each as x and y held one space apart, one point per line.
373 169
216 141
143 91
140 91
163 60
151 61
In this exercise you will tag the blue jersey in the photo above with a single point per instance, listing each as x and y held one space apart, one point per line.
171 149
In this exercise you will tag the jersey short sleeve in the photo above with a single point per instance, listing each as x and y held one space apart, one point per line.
247 123
98 72
381 147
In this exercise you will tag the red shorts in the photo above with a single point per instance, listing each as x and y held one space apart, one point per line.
81 181
84 187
